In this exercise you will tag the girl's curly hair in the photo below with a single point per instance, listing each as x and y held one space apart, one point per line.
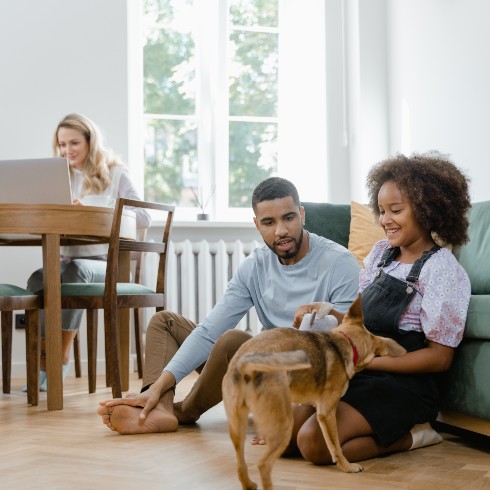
437 189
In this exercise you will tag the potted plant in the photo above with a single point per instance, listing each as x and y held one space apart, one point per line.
201 203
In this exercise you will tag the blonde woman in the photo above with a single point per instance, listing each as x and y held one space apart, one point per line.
94 171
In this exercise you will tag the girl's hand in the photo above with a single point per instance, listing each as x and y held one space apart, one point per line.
77 202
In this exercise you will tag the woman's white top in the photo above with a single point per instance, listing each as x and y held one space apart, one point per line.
120 186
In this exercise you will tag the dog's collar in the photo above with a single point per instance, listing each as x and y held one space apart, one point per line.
356 355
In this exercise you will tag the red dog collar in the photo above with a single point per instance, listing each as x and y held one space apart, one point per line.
356 355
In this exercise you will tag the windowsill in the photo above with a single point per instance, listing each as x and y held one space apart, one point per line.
214 224
206 224
212 231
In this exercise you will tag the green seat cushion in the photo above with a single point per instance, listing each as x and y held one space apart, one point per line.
475 255
97 289
478 320
328 220
11 290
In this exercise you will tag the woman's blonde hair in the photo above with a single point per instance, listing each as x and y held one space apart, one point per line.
96 170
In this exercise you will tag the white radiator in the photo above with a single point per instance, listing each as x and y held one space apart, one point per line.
197 275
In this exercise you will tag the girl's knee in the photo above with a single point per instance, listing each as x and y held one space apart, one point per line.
312 446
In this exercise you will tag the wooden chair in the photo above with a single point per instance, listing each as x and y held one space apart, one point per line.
114 296
137 259
14 298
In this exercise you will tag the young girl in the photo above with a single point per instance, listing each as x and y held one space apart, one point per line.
94 171
414 291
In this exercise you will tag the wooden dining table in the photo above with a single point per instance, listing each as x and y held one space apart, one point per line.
52 225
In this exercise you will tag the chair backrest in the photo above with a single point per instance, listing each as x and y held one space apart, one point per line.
118 245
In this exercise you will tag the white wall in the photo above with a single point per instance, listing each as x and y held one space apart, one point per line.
439 62
338 171
358 108
417 76
57 57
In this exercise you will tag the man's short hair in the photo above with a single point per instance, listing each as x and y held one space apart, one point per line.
274 188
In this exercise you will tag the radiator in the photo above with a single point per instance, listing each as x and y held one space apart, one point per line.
197 275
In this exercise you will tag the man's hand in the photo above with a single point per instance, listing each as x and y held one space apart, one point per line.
302 310
148 399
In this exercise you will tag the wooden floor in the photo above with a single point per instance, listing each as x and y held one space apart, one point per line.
71 449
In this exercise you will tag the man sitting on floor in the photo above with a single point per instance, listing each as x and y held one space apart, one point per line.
294 268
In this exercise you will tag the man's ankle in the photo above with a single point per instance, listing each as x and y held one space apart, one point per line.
185 417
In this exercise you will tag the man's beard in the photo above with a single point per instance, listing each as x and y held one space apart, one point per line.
293 252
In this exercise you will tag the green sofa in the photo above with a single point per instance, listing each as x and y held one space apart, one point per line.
465 388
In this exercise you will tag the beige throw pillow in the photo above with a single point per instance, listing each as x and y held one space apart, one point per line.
364 231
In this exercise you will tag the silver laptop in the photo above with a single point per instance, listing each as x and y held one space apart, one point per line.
35 181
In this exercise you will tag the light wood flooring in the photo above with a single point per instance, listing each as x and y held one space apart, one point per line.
71 449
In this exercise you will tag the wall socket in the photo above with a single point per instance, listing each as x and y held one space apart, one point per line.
20 320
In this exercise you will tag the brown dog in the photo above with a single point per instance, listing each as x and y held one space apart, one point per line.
283 366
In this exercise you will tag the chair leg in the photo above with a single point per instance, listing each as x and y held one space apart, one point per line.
33 351
92 328
138 338
111 336
6 350
76 356
107 364
107 354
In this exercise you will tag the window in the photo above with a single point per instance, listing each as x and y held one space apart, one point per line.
233 92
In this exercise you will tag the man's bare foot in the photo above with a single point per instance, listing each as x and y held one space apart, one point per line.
257 441
184 419
125 419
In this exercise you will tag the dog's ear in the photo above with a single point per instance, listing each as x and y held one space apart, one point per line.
388 347
355 311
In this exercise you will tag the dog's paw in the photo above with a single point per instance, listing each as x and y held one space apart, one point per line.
350 467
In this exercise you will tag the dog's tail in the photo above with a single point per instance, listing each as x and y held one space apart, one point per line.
273 361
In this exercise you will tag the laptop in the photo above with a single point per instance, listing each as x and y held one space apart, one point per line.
35 181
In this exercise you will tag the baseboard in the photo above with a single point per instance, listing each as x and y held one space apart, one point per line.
19 369
459 421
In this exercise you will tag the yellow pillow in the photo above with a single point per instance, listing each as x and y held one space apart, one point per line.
364 231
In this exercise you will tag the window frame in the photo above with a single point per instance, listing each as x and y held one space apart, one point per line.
211 111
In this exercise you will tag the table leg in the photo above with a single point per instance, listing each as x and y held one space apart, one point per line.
52 315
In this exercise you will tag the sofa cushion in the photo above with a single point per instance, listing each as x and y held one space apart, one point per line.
474 256
464 388
328 220
364 231
478 320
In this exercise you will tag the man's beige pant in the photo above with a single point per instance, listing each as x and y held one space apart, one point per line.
165 334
